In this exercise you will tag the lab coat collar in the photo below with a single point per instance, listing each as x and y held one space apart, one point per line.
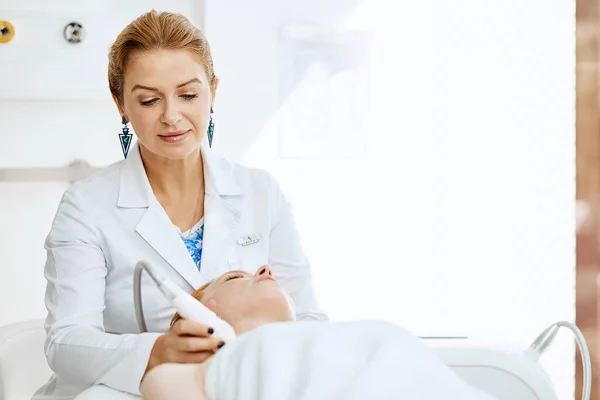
155 227
219 178
135 190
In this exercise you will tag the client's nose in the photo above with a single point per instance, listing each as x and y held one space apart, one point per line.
265 269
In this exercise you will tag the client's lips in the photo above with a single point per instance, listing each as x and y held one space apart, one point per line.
264 277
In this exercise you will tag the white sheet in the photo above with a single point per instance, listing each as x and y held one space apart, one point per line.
320 360
101 392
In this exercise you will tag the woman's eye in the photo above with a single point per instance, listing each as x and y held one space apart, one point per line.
233 276
187 97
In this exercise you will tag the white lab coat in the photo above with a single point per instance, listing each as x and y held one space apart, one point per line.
107 223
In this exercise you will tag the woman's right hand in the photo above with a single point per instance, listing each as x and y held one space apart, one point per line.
186 342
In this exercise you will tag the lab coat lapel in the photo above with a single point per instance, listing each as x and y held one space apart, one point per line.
221 217
220 221
158 231
154 227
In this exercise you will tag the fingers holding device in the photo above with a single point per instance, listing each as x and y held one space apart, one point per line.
187 342
191 339
195 336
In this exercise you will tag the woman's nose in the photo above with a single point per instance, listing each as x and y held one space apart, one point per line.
171 114
265 269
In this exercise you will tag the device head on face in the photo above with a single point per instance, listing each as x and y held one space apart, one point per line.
162 80
254 299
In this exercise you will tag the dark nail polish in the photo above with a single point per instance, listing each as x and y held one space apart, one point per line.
221 344
211 331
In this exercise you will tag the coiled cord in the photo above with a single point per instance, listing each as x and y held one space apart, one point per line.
545 339
137 291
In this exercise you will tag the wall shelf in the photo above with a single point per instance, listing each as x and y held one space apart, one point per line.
73 172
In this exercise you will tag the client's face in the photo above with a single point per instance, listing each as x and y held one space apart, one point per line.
239 294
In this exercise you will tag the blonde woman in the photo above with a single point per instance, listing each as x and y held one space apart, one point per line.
171 201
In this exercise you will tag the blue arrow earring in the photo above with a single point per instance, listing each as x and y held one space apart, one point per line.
125 138
211 129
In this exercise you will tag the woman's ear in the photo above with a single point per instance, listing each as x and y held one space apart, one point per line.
213 91
212 305
119 106
117 103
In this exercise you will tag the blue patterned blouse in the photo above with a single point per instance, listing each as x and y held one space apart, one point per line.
193 241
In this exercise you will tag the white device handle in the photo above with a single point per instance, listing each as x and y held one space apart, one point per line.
190 308
185 304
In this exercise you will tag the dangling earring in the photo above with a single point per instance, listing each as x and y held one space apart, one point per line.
211 128
125 138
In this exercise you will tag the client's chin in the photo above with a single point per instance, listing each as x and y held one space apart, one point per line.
276 309
264 311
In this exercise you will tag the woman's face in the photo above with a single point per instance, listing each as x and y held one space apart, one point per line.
167 98
239 294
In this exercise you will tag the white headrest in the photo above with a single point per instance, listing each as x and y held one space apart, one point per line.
23 366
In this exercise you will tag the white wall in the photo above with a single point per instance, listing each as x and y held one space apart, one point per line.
452 215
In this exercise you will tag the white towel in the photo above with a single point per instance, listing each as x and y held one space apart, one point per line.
320 360
101 392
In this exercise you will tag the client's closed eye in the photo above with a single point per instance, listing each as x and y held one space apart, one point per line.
233 276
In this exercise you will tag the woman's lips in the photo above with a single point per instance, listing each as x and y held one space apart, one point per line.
264 278
174 137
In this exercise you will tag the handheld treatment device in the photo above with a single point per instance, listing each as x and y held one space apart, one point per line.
184 303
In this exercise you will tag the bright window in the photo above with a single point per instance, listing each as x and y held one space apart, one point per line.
434 183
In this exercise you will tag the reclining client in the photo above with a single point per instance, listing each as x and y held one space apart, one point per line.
275 358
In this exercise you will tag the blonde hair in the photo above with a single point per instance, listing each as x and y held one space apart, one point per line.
156 31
